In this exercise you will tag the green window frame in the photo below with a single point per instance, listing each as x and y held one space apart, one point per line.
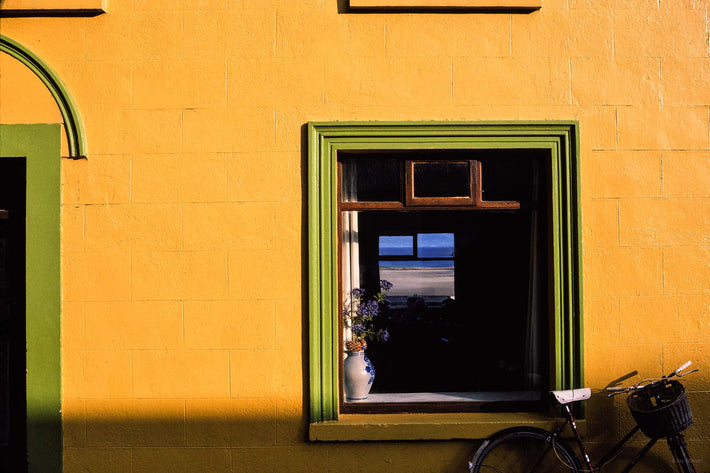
326 139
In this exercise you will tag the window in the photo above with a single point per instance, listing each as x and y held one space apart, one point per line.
476 227
522 5
52 7
469 287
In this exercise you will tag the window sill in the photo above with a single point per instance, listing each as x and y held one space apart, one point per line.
382 427
446 402
37 8
528 5
449 397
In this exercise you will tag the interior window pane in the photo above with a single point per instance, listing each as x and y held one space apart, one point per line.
441 179
397 245
431 281
512 176
371 179
435 245
472 299
469 287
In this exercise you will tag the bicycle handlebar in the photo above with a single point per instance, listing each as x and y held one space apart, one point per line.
683 366
612 390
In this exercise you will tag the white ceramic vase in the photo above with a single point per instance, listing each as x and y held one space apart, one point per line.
358 375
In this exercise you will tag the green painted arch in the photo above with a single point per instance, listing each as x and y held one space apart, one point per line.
73 124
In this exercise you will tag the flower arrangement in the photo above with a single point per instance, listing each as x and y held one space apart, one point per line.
359 314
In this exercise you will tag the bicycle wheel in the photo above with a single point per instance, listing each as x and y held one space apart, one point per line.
524 450
680 454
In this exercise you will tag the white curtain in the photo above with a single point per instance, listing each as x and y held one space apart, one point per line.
532 343
350 252
350 247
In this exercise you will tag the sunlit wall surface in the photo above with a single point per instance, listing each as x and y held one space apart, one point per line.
183 232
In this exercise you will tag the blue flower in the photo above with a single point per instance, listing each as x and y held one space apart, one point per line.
359 329
359 313
385 285
369 310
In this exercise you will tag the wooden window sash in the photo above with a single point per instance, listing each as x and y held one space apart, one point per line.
474 201
474 185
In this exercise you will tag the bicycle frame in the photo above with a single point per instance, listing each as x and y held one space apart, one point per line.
670 430
616 448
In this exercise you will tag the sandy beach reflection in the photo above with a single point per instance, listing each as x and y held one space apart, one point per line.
420 281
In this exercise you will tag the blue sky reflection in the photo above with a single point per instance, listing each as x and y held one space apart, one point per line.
429 245
397 245
435 245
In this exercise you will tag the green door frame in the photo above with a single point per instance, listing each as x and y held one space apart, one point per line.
40 145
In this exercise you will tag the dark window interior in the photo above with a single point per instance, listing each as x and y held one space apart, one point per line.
377 179
441 179
468 283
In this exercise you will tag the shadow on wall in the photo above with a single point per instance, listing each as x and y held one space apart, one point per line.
228 436
224 438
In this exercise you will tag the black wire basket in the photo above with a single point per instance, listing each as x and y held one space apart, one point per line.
661 410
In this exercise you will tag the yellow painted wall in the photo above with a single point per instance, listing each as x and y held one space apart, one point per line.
183 233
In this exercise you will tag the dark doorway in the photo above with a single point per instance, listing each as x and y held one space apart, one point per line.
13 403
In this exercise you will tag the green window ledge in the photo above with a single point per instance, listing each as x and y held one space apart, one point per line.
400 427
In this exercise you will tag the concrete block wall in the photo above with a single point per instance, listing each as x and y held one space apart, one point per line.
183 232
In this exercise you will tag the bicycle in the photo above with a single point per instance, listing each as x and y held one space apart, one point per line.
659 407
